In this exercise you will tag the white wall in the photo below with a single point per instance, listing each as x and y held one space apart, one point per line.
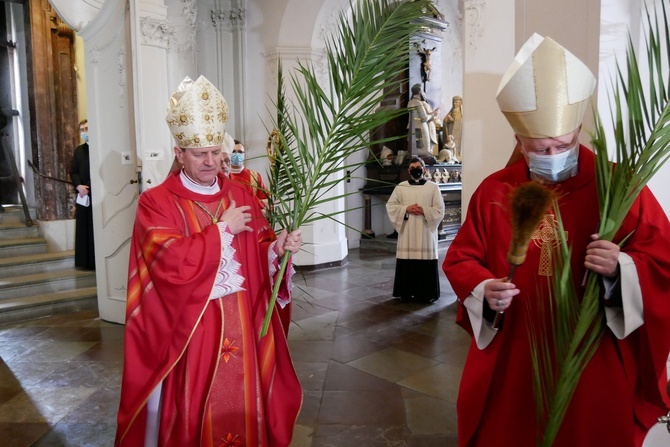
489 48
620 16
59 234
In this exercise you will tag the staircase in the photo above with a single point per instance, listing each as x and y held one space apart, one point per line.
34 283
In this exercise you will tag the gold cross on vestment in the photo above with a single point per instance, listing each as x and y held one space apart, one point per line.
545 237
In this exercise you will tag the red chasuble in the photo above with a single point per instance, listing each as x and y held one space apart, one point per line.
222 385
252 181
621 392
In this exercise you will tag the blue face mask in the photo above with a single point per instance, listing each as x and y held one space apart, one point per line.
84 136
554 168
236 158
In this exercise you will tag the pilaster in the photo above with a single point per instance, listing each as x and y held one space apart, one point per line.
152 35
229 20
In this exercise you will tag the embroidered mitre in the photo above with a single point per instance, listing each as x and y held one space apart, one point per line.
197 114
546 90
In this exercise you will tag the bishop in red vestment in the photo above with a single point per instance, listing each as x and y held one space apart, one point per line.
203 260
622 390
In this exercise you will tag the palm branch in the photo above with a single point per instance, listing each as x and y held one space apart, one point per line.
319 130
641 125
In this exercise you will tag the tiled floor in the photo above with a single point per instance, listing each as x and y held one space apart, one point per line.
375 371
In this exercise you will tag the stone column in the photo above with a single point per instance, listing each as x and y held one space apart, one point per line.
230 35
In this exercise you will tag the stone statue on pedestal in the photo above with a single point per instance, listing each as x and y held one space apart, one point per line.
425 118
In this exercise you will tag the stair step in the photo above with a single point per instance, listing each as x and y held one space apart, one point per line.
39 263
33 282
45 283
46 305
22 246
17 230
14 213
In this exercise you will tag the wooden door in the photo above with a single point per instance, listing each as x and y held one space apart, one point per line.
53 107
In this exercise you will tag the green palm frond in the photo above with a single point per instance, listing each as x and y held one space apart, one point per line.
641 128
643 138
321 126
561 350
279 180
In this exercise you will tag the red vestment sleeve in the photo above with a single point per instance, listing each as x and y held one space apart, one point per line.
645 351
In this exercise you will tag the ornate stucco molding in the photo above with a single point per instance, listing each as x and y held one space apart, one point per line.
290 56
121 64
190 12
94 55
329 25
234 19
474 10
156 32
186 28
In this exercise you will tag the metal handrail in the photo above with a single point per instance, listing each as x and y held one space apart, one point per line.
16 177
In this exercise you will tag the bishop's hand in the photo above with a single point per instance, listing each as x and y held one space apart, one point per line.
288 242
602 257
237 218
499 293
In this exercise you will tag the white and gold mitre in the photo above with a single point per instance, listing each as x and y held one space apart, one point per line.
197 114
545 91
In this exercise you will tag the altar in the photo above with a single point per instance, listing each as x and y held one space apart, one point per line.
382 179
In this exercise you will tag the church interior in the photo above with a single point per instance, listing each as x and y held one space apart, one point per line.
375 371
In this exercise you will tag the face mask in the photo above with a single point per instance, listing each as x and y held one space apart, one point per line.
554 168
416 173
236 158
84 136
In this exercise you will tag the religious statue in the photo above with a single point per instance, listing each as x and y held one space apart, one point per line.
450 150
446 154
386 156
445 176
426 67
425 117
453 126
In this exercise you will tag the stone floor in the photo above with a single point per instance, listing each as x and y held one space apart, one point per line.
375 371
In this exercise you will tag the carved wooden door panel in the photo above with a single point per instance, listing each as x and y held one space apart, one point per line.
53 107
